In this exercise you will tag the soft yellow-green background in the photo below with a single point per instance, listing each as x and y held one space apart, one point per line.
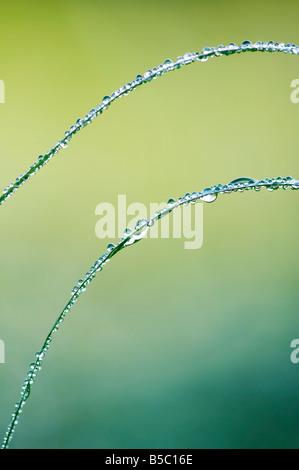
168 348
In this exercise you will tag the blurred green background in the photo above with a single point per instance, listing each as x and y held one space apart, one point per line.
168 348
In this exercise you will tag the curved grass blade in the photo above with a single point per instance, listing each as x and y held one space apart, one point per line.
149 75
130 238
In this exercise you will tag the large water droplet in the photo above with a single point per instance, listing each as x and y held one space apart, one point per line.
209 198
243 179
246 44
106 100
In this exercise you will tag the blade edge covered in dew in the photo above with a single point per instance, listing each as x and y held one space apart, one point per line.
131 237
149 75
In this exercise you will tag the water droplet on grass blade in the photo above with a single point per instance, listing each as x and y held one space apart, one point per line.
208 197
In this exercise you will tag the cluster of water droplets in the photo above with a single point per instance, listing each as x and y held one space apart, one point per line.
168 65
130 237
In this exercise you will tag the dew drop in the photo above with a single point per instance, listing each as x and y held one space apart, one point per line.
168 63
106 100
140 222
209 198
244 179
246 44
171 201
147 75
